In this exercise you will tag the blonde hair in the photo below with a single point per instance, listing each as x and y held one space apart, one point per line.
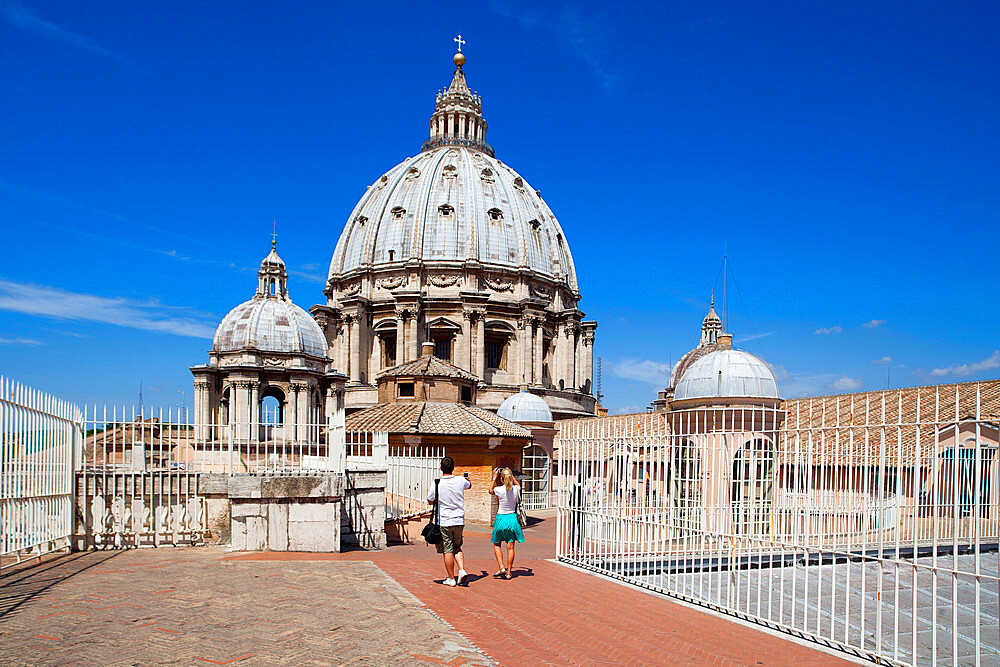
508 478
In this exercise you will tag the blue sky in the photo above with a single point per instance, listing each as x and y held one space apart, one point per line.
844 153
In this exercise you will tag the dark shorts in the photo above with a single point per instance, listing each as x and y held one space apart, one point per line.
451 539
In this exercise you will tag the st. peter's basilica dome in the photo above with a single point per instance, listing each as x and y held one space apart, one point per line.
454 204
455 248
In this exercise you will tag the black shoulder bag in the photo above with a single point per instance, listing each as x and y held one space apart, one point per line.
432 531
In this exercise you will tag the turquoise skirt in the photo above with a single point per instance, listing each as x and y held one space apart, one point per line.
506 529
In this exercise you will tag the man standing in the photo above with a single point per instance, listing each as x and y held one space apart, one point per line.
451 518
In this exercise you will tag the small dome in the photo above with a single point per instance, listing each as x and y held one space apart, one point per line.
270 325
727 374
525 407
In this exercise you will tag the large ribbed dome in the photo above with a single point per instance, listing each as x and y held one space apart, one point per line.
454 203
727 374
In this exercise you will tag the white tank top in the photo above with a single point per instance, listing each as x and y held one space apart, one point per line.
508 499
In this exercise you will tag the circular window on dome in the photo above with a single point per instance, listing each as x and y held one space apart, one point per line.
487 175
518 183
412 173
450 171
495 215
360 220
382 181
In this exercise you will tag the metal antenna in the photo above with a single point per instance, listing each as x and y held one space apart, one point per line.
725 302
599 383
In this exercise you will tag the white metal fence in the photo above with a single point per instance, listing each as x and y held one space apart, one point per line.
412 470
140 468
869 522
38 437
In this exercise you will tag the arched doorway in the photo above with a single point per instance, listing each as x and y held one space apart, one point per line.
752 486
272 414
535 466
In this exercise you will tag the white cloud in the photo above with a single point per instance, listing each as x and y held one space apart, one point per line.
989 363
844 383
24 18
745 339
628 410
644 370
148 316
884 361
308 277
829 330
779 371
873 324
5 340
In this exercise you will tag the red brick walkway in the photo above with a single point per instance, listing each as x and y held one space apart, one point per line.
551 614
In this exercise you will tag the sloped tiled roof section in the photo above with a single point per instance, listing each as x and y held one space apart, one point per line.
835 428
427 365
434 419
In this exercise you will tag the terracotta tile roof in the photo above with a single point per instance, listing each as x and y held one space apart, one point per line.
641 424
825 419
427 365
434 418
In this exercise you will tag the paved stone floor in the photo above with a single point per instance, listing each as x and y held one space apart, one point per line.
190 606
205 606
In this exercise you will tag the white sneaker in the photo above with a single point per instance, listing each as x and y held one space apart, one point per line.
462 577
449 582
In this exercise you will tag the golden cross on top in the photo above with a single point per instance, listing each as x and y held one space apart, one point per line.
460 42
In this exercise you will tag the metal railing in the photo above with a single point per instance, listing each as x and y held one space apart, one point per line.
39 435
868 522
456 140
120 438
412 470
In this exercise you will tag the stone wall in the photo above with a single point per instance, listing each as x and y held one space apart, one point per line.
363 511
286 513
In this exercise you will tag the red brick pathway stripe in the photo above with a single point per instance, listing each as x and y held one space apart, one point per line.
55 639
226 662
116 606
63 613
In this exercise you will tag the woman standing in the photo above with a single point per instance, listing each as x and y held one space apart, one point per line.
506 527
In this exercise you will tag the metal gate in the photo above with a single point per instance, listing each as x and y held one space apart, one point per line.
38 437
535 485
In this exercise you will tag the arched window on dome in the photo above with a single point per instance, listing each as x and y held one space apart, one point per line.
398 212
487 175
498 337
385 330
450 171
495 216
271 413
